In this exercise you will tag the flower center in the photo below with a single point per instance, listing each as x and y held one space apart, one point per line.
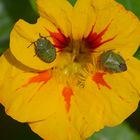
76 62
79 51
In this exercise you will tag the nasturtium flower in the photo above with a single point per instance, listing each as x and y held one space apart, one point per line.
71 97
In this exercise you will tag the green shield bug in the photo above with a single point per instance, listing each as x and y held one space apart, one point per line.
44 49
112 62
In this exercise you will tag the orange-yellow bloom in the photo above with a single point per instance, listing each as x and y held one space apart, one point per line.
71 97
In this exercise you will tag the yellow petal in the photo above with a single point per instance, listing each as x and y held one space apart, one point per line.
25 34
115 28
101 4
68 124
58 12
96 105
83 19
122 98
86 111
26 94
56 126
106 102
54 115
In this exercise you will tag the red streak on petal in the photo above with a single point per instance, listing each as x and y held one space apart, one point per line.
60 41
95 40
67 93
42 77
101 43
99 79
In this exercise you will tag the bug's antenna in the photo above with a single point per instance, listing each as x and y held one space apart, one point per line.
41 35
45 37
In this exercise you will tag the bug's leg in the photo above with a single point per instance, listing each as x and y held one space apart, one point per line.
34 44
96 61
30 45
35 49
35 55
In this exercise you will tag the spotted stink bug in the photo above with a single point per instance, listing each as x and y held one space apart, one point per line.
44 49
112 62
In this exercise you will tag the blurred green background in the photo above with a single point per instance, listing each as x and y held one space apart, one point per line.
10 12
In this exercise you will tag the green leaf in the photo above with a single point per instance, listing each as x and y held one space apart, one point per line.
20 10
5 27
33 5
133 5
137 54
121 132
72 2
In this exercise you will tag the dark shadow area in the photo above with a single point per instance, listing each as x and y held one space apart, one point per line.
14 10
14 62
13 130
4 43
134 120
20 9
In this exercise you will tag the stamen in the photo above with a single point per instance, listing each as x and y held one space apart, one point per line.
76 50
